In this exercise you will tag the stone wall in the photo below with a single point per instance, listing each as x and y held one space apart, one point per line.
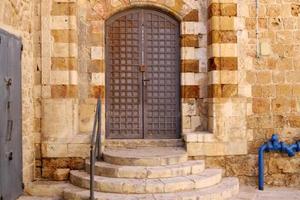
18 17
274 77
271 84
73 72
232 100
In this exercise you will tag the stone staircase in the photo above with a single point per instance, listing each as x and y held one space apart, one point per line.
150 170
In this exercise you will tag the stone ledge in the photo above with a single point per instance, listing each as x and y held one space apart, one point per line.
201 136
217 148
205 143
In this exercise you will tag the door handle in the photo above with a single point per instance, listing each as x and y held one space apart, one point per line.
8 81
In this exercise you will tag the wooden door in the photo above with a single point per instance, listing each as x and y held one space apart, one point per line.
142 75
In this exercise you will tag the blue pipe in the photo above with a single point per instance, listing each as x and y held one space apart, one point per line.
273 145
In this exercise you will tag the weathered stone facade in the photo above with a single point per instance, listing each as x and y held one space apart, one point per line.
233 98
21 18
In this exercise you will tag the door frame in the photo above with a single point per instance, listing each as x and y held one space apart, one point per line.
178 61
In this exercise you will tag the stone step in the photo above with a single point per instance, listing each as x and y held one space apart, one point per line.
137 143
226 189
38 198
182 169
47 188
207 178
147 156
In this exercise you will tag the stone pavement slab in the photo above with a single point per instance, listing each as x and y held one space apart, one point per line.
270 193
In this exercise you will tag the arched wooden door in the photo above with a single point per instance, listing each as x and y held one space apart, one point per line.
142 75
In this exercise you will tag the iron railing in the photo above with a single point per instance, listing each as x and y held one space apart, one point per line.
95 148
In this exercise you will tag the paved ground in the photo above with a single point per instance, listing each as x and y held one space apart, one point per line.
246 193
270 193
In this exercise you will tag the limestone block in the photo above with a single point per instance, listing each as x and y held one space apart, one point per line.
59 78
98 79
189 108
186 122
54 150
214 77
73 77
86 117
37 91
59 118
63 22
65 50
221 1
196 122
97 53
222 50
265 48
46 91
190 53
61 174
78 150
222 23
245 90
229 77
193 28
188 79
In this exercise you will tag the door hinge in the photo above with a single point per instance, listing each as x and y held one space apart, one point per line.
1 197
22 47
23 186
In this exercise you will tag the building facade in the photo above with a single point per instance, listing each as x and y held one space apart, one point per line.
233 82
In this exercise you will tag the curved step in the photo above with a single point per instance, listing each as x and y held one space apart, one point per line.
139 143
226 189
208 178
182 169
145 156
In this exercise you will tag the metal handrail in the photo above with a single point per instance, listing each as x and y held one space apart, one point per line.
95 148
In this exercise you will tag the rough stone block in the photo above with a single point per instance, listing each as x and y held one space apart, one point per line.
59 118
86 117
64 91
97 53
61 174
63 8
63 22
65 50
64 63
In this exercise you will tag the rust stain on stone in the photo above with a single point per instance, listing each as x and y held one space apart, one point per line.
96 91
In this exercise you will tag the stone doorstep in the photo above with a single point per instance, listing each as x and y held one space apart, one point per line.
226 189
183 169
145 156
137 143
207 178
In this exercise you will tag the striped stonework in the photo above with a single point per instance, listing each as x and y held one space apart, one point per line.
64 54
222 49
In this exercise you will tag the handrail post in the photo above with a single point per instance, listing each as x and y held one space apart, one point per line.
92 173
99 152
95 148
